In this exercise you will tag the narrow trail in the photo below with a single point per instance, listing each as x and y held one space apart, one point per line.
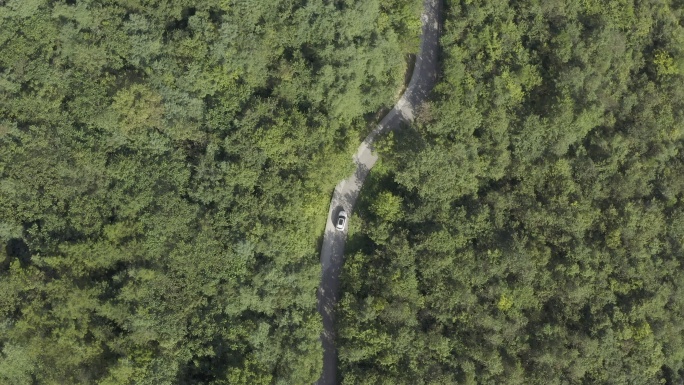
347 191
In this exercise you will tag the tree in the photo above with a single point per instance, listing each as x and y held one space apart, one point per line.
539 207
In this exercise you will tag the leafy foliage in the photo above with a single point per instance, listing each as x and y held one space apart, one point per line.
540 240
163 168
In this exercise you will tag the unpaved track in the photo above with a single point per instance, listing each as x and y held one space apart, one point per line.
347 191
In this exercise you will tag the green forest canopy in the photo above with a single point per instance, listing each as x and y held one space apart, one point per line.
529 228
165 167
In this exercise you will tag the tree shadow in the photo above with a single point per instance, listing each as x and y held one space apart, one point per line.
17 248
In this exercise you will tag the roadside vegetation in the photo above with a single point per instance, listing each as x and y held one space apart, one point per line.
165 167
529 228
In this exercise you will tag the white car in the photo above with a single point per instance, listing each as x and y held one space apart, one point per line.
341 220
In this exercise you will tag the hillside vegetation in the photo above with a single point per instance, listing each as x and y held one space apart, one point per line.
529 228
165 170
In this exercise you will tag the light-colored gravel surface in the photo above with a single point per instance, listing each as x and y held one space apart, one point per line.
347 191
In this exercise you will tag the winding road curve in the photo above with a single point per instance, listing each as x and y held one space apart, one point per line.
347 191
